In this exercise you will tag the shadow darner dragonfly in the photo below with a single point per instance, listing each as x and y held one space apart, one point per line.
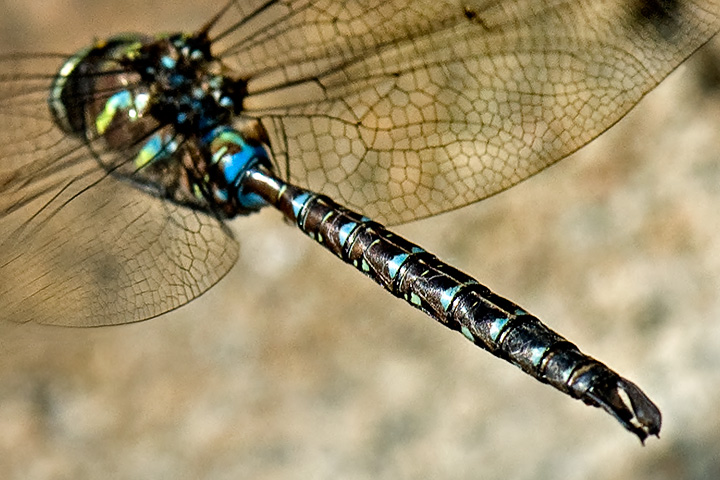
121 164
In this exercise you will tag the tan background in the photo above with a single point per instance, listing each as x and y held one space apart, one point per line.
297 367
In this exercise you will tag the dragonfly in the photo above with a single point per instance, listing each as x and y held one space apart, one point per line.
122 164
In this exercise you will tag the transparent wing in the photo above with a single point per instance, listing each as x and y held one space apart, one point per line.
77 246
407 108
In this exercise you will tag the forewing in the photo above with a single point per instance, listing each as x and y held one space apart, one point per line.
405 108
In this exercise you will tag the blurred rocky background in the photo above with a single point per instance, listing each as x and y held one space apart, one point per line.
297 367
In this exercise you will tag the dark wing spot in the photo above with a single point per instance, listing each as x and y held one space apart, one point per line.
710 71
470 13
473 15
661 15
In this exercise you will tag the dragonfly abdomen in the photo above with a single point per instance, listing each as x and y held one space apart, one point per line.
459 302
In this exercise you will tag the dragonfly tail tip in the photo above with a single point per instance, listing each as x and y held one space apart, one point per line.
629 405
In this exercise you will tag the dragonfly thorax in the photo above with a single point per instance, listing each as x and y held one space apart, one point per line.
169 79
157 111
187 87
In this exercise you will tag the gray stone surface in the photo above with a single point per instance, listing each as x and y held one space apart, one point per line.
295 366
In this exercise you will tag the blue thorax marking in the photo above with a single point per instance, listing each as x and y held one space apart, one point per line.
168 62
158 146
123 101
